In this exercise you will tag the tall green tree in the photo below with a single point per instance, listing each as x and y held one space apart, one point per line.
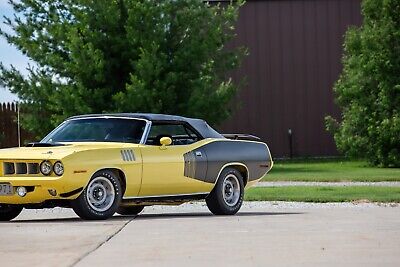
368 90
96 56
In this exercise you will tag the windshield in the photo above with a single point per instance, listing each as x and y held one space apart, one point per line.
98 130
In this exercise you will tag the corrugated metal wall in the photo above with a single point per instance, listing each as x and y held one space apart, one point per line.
9 126
295 52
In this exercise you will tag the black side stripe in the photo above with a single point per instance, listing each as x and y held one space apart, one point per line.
205 162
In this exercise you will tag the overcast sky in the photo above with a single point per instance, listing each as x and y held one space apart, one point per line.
9 55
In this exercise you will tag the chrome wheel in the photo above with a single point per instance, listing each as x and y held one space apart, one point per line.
227 196
100 194
231 190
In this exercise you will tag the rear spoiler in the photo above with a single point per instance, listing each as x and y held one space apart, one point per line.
248 137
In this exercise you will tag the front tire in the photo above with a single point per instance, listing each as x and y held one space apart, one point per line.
227 196
101 198
9 212
130 210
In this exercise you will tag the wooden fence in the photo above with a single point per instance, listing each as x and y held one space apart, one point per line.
9 126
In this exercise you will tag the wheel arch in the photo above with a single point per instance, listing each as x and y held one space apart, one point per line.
117 172
240 167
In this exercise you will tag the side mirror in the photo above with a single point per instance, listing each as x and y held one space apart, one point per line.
165 141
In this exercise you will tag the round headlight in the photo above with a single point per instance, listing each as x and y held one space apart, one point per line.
58 168
45 167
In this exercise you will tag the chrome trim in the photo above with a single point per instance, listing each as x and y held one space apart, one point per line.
142 140
106 117
123 155
146 132
177 195
231 190
103 199
127 155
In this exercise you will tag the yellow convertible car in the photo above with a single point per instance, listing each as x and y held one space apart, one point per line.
107 163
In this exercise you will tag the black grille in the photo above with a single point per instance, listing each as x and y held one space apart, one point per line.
21 168
33 168
10 168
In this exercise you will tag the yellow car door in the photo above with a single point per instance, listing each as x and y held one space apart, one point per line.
163 166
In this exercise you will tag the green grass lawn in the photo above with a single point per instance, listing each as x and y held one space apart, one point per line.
330 170
324 194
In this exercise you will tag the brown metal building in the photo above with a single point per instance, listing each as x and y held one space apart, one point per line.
295 57
295 51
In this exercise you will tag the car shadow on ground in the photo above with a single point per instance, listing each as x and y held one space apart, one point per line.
116 218
147 216
153 216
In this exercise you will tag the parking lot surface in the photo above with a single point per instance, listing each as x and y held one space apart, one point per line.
261 234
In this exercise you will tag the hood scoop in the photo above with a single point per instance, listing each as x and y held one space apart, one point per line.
38 144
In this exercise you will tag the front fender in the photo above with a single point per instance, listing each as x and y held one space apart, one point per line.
81 166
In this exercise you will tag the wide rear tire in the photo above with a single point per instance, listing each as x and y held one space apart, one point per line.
101 198
9 212
227 196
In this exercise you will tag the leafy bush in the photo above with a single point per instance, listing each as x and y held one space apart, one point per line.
368 90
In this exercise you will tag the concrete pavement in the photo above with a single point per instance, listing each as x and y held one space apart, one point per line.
263 233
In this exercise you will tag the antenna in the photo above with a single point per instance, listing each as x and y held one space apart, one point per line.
19 127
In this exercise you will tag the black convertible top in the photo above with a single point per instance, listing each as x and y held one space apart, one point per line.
200 125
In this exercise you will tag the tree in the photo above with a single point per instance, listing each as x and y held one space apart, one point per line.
96 56
368 90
